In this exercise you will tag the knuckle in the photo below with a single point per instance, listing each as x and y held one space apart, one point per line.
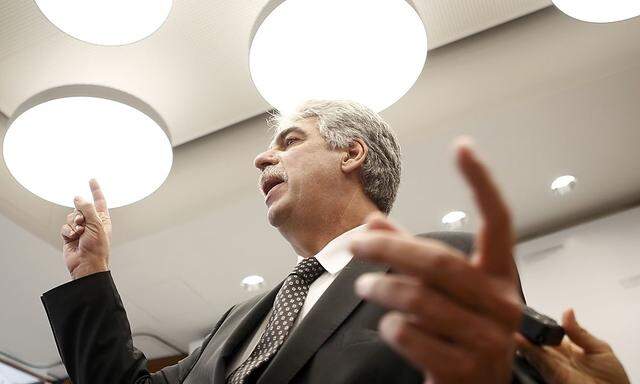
65 230
446 262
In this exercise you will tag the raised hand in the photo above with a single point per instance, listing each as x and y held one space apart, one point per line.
581 358
453 318
87 235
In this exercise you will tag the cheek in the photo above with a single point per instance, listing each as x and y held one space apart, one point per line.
319 177
312 169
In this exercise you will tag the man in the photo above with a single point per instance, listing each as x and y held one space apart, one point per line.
329 177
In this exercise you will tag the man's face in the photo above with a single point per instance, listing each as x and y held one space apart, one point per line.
298 172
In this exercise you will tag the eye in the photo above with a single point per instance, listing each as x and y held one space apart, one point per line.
290 140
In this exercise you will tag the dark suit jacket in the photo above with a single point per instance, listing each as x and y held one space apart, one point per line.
336 343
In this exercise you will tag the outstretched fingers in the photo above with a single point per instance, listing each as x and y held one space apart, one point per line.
496 239
439 266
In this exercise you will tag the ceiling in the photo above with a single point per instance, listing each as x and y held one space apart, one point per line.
542 95
194 70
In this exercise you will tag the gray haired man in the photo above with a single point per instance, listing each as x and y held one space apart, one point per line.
329 178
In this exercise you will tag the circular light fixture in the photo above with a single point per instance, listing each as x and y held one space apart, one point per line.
368 51
106 22
61 138
563 184
454 219
599 11
252 283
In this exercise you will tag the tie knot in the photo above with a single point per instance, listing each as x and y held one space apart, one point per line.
309 269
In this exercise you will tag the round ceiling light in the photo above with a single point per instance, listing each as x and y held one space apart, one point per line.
454 219
252 283
599 11
54 145
371 52
107 22
564 184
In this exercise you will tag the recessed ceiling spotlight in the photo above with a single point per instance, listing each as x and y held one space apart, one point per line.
454 219
252 283
106 22
563 184
368 51
599 11
55 144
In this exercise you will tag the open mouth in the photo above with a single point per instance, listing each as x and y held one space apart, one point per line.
269 183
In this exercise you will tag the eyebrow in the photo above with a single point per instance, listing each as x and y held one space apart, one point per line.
280 137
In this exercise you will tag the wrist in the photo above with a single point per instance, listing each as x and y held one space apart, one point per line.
87 269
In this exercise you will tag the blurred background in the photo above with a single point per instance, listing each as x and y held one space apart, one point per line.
542 94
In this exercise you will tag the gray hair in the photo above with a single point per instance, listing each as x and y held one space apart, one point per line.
339 123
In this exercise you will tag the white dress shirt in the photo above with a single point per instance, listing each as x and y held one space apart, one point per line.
333 257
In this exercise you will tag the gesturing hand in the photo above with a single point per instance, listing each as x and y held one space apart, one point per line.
454 319
87 235
580 359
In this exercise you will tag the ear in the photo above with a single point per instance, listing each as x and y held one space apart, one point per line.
354 156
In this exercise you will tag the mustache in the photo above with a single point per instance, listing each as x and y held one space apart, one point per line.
275 171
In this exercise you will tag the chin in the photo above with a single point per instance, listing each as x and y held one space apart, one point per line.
273 218
277 213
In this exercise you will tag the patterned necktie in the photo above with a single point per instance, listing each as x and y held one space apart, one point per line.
286 308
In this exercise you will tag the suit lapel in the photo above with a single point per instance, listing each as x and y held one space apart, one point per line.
243 329
333 307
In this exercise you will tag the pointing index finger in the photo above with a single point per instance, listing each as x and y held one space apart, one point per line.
495 240
98 197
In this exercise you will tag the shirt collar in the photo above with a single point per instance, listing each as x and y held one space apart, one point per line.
335 255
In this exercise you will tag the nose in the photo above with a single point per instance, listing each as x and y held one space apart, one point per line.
265 159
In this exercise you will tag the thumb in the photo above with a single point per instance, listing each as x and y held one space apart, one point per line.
88 211
581 336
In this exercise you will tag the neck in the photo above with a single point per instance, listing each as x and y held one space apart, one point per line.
314 231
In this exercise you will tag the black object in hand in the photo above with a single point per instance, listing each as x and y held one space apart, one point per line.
540 329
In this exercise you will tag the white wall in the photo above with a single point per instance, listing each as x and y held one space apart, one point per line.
595 269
